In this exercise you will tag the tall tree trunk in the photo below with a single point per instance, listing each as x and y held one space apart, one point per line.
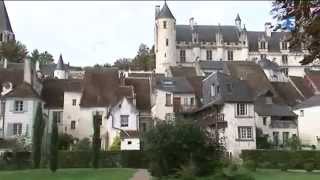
53 165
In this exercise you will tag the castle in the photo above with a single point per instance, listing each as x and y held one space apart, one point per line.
187 45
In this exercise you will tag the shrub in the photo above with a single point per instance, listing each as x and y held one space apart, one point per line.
187 172
283 166
233 167
250 165
65 141
83 145
115 146
266 165
309 167
241 176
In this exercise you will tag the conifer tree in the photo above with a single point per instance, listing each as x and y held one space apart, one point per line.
38 128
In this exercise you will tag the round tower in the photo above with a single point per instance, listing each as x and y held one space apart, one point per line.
60 71
165 39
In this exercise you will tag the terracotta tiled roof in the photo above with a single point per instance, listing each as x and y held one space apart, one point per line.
23 90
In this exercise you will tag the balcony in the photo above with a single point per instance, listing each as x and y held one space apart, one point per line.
283 124
213 120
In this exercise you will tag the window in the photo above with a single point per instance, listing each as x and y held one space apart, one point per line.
285 138
263 45
99 118
73 124
129 142
124 120
285 59
57 116
264 119
185 101
285 71
1 36
275 137
241 109
213 92
74 102
301 113
209 55
229 88
169 117
168 100
164 24
230 55
182 55
192 101
284 45
167 42
17 128
144 127
218 90
18 106
245 133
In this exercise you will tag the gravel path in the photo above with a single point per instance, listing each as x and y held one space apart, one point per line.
141 174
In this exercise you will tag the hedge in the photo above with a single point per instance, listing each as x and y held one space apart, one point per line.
276 158
80 159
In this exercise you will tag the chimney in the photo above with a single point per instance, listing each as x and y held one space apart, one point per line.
267 29
157 11
191 22
5 63
27 71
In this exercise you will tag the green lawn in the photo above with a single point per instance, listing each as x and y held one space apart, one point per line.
68 174
279 175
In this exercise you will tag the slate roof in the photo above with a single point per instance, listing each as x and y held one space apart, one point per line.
165 12
196 83
273 110
5 24
300 83
102 89
211 65
11 65
48 69
142 88
174 85
23 90
60 64
207 33
310 102
183 71
268 64
11 75
288 93
53 91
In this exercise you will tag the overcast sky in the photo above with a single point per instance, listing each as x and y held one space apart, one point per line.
87 32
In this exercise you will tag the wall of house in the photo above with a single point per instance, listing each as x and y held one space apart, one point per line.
233 144
308 126
26 117
130 144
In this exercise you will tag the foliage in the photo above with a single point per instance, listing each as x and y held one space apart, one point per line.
122 63
262 140
83 145
65 141
53 160
42 58
116 144
276 157
96 142
38 130
13 51
302 18
294 143
145 59
309 166
187 172
250 165
171 145
283 166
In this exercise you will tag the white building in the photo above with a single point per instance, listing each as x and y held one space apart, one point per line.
187 44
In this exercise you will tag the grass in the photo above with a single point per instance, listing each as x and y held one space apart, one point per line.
279 175
69 174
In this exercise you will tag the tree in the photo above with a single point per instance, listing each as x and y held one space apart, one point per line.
122 63
302 19
42 58
53 164
169 146
65 141
96 141
116 144
38 129
145 59
13 51
83 145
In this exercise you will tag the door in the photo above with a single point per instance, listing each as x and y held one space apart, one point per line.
176 104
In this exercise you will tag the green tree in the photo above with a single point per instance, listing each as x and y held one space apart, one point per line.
83 145
38 129
13 51
53 164
96 142
34 57
42 58
122 63
306 30
169 146
145 59
65 141
116 144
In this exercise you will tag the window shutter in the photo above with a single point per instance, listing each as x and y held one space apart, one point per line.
10 129
25 106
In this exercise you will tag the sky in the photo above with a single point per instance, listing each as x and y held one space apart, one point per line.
91 32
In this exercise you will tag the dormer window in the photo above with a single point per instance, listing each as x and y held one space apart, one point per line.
229 88
209 55
164 24
285 59
263 45
284 45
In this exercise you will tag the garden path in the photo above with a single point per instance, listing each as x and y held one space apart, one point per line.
141 174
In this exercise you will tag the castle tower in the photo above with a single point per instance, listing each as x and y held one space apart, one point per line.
238 21
60 71
6 33
165 39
